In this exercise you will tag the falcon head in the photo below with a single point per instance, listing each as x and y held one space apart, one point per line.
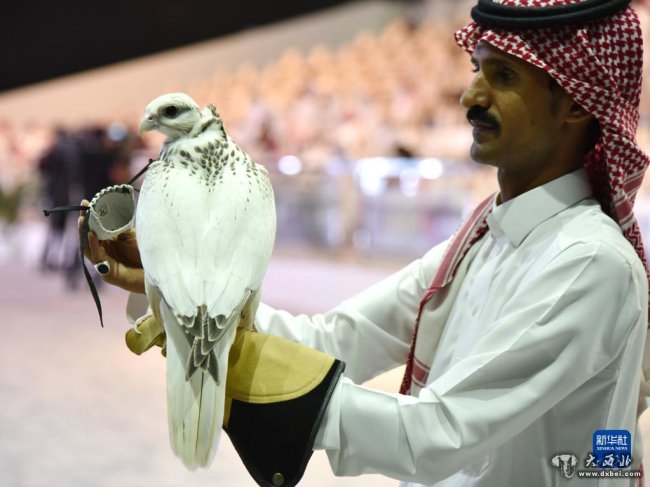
173 114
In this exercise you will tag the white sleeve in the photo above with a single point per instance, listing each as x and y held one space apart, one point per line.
370 332
558 331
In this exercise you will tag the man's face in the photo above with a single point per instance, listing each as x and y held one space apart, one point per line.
512 110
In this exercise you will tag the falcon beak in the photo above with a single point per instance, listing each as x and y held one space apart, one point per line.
149 122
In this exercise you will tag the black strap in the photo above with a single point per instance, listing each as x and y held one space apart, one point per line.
492 14
91 284
57 209
142 171
83 240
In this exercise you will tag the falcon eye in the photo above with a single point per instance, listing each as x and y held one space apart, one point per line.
170 112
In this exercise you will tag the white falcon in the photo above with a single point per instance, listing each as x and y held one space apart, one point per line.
205 225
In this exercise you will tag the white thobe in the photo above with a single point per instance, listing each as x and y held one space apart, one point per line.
542 347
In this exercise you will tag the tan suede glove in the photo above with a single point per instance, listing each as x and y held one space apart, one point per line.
277 392
146 333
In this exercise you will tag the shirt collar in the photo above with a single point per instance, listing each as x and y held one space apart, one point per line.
517 217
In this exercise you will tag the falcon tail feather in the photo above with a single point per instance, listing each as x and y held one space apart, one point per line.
195 406
195 392
203 336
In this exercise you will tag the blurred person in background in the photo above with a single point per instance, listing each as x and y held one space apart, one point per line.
523 334
98 154
59 171
103 159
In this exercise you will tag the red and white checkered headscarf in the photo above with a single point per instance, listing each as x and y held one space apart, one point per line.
599 64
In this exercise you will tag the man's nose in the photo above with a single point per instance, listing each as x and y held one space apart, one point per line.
476 93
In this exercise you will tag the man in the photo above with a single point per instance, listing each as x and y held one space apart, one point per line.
524 333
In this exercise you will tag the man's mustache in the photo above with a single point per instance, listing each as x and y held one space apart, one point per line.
480 115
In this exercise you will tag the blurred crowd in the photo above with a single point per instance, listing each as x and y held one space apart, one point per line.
390 94
387 94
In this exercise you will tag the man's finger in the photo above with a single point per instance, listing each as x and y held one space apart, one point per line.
97 252
82 214
80 222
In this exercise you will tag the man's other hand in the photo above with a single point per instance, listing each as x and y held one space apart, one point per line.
122 255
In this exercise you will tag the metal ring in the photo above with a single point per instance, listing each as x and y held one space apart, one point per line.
103 267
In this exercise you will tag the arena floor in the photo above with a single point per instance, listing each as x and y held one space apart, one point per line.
78 409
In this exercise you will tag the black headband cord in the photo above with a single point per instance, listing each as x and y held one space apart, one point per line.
492 14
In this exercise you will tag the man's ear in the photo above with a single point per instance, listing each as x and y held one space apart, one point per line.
577 114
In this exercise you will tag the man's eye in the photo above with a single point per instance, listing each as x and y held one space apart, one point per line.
506 74
474 69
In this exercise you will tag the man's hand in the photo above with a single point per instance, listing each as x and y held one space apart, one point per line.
122 255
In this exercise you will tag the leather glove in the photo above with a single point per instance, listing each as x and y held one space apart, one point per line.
146 333
277 392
